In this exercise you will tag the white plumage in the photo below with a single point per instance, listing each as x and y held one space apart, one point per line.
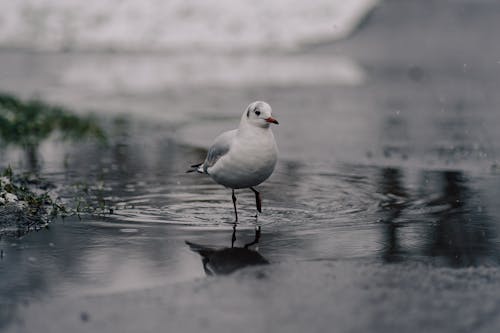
246 156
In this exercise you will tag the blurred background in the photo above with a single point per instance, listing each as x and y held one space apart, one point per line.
385 195
153 48
181 61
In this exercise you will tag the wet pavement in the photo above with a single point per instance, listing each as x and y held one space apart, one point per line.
382 214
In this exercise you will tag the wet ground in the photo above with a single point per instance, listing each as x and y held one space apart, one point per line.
382 214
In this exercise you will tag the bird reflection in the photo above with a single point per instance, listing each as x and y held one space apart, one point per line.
223 261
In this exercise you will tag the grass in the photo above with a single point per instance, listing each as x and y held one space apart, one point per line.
29 122
27 201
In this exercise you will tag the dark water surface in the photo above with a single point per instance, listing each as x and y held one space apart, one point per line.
398 176
313 210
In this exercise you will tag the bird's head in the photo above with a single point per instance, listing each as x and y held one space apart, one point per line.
259 114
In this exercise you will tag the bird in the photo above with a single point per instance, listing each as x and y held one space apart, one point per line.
244 157
226 260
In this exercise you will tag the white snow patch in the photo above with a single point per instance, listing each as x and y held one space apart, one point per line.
175 24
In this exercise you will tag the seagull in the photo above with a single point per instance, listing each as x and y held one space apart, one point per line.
220 261
244 157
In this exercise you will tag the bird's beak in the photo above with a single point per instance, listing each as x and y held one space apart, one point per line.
272 120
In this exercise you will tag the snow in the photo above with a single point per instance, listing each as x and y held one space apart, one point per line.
176 24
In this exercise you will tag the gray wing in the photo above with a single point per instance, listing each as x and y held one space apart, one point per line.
219 148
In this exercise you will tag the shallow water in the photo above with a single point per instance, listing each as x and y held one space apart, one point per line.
391 182
313 211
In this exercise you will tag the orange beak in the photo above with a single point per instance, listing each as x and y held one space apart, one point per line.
272 120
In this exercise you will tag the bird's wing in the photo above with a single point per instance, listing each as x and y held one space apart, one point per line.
219 148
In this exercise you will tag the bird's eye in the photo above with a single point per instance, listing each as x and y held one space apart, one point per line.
257 112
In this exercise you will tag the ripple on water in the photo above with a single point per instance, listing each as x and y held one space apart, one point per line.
348 209
313 200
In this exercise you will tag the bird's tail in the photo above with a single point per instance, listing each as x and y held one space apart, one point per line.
195 167
202 250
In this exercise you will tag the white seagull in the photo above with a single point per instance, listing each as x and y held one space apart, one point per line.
246 156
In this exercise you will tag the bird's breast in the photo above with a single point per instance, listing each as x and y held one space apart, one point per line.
248 163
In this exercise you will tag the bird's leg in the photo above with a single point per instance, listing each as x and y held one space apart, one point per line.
258 200
256 239
234 204
233 237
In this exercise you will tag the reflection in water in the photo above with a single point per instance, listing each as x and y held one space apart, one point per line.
313 210
230 259
28 123
80 257
460 235
392 206
436 215
444 220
